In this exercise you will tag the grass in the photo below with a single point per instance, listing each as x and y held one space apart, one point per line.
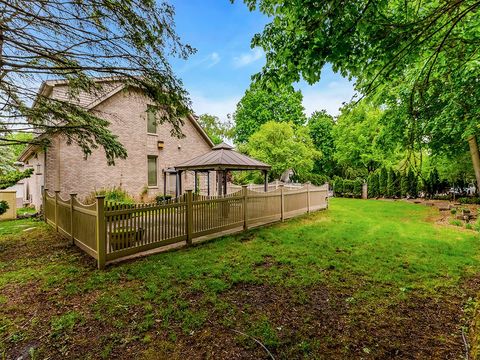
26 211
364 279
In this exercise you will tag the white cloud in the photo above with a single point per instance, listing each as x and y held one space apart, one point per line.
207 62
330 98
212 59
220 107
247 58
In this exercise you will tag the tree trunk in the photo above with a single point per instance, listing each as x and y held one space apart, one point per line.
472 143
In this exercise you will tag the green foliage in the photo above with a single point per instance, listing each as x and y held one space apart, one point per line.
431 185
404 189
469 200
417 59
162 198
348 188
132 42
320 126
259 106
361 145
12 177
383 182
4 207
412 180
283 147
215 129
374 185
391 183
115 195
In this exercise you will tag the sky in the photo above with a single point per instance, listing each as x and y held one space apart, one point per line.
219 73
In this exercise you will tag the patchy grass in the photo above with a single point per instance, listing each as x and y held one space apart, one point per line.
365 279
28 210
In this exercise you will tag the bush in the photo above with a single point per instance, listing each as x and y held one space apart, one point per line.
348 188
453 211
3 207
162 198
442 197
115 195
456 222
469 200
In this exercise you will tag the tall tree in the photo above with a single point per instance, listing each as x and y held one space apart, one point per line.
217 131
259 106
284 147
130 40
320 126
420 58
361 144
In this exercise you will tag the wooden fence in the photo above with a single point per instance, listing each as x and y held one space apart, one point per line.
110 232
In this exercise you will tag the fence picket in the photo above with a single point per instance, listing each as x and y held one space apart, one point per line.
125 229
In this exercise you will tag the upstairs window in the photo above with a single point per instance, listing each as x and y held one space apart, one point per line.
151 120
152 171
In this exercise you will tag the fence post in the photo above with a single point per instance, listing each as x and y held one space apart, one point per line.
308 196
101 234
56 209
327 195
245 205
189 215
45 205
72 196
282 203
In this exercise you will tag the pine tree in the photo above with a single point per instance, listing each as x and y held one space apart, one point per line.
391 180
404 185
383 180
412 184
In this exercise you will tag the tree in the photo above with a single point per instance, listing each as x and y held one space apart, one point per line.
283 147
129 40
412 183
418 58
383 182
215 129
391 183
320 126
259 106
403 185
9 174
360 142
10 178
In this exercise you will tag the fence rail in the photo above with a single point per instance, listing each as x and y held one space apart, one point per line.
110 232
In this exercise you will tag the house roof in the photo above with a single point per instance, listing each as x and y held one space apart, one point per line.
109 87
222 157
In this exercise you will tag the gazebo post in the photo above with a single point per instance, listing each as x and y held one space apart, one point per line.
219 182
224 182
265 184
195 183
178 185
164 183
208 182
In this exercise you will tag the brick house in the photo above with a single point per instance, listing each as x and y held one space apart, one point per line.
152 151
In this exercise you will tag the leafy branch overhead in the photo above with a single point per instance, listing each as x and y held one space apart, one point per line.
418 59
130 41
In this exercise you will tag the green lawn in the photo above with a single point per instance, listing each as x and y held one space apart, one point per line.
365 279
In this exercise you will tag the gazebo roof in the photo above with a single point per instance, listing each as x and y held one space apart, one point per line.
222 157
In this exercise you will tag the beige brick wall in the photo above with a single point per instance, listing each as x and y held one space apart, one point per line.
69 172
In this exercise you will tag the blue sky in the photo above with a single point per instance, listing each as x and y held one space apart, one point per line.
219 73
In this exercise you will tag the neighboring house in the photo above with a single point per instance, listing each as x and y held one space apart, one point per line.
151 149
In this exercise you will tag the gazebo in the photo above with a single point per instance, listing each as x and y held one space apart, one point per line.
222 158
